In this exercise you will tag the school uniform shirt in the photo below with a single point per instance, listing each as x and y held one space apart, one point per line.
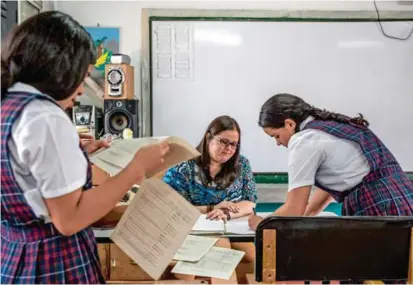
314 155
45 155
185 179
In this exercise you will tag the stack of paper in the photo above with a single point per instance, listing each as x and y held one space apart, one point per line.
194 248
217 263
198 256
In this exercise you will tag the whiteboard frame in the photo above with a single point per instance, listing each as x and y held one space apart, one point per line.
151 15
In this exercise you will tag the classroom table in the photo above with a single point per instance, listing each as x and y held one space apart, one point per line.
103 235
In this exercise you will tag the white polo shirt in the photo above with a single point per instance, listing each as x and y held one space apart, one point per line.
336 163
45 155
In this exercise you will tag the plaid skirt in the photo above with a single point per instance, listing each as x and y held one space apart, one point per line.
39 254
388 196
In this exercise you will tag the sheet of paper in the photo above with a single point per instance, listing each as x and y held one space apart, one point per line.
182 37
163 38
194 248
107 167
239 226
218 263
205 225
327 214
179 150
154 226
164 66
182 65
121 152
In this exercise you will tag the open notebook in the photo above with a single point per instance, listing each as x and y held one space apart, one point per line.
239 226
203 226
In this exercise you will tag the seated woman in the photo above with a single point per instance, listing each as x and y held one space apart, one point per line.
220 181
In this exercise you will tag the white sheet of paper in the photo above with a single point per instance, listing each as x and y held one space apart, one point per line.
205 225
163 38
154 226
218 263
239 226
164 66
107 167
327 214
194 248
121 152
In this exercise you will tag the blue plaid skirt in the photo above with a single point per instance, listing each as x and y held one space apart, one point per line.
391 195
39 254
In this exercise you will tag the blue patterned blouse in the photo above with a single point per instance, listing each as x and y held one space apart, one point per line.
185 179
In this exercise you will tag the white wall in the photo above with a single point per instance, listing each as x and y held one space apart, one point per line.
127 15
48 5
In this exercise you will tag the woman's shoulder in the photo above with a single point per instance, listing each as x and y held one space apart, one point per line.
184 168
243 160
244 165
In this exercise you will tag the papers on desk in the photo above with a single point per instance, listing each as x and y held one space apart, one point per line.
326 214
238 226
194 248
203 226
218 263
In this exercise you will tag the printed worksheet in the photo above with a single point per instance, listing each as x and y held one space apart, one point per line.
217 263
154 226
194 248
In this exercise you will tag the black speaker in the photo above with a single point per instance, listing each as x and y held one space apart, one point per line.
121 114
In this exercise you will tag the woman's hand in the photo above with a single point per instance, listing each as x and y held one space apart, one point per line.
90 144
216 215
254 221
149 159
227 205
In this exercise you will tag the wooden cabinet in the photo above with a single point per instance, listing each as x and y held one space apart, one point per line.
118 268
122 267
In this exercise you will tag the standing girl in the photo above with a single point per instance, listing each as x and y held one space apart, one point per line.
338 154
47 203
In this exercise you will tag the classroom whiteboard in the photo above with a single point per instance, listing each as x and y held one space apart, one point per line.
204 69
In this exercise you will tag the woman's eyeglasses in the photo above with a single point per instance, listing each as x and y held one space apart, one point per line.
226 143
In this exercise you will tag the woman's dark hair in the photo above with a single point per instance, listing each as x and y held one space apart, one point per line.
284 106
230 169
50 51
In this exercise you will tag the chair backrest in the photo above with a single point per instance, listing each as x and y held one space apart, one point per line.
333 248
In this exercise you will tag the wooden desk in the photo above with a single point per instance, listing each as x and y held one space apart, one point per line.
103 236
118 268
